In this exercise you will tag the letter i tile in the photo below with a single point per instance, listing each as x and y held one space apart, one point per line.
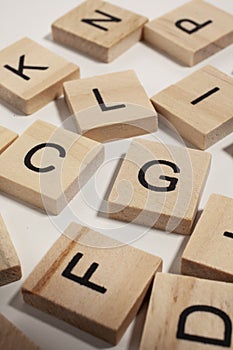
191 32
46 166
92 282
208 253
31 76
199 106
188 313
159 186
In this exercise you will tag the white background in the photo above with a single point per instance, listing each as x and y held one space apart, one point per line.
33 232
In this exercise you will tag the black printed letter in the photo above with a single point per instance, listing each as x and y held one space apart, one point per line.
207 94
84 281
228 234
21 67
173 180
27 159
101 103
196 26
181 334
109 19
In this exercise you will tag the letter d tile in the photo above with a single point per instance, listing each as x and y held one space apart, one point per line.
188 313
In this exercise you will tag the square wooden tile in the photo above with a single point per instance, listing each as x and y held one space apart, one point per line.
99 29
188 313
191 32
92 281
199 106
208 253
12 338
10 268
159 186
31 76
110 106
46 166
7 137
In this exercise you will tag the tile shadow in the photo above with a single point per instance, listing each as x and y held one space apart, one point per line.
175 265
229 150
67 119
139 323
18 303
103 209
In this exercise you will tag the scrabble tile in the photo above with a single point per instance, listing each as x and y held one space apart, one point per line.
110 106
31 76
199 106
7 137
99 29
47 166
82 280
192 32
10 268
208 253
12 338
159 186
188 313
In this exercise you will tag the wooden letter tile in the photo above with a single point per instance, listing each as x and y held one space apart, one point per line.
209 251
46 166
11 338
92 282
188 313
10 268
7 137
99 29
159 186
110 106
191 32
31 76
199 106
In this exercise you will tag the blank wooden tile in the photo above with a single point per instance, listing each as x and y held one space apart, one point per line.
192 32
188 313
99 29
199 106
10 268
159 186
7 137
11 338
31 76
92 282
110 106
209 251
47 166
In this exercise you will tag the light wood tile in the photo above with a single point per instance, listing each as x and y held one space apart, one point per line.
99 29
199 106
7 137
11 338
31 76
92 281
10 268
110 106
208 253
191 32
47 166
159 186
188 313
